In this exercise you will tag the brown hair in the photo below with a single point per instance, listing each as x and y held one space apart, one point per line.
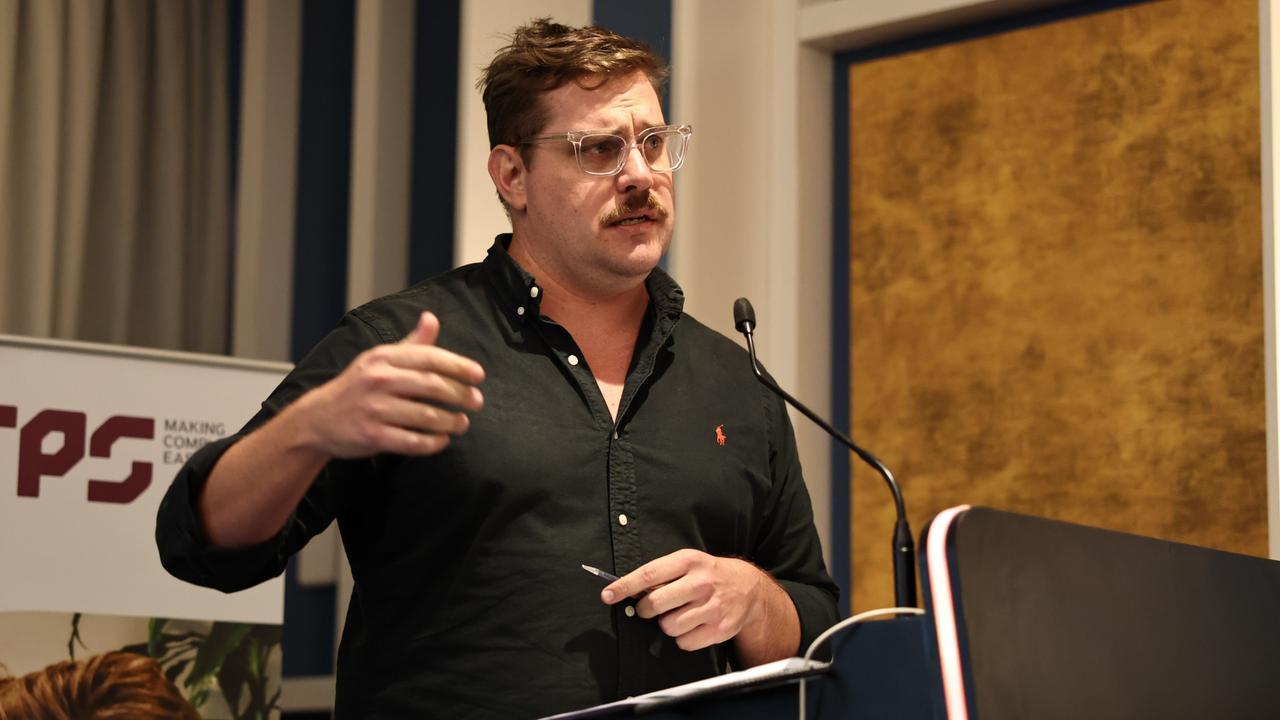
106 687
544 55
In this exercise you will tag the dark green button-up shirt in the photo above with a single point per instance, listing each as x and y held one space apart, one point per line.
469 600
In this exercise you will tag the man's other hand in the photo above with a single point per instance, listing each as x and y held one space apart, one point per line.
407 398
701 600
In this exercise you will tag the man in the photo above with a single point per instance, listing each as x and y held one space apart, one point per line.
612 430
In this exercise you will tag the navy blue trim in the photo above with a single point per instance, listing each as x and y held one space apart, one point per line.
994 26
322 202
435 121
319 265
841 330
235 56
648 22
840 375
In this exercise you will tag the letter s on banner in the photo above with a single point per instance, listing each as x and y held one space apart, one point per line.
139 479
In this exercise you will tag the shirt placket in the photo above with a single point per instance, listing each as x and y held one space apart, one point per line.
634 633
624 538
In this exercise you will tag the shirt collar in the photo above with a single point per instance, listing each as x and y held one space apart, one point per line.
518 291
521 295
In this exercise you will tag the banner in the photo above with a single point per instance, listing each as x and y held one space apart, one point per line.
90 438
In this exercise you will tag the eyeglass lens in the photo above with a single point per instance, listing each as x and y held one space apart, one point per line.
604 154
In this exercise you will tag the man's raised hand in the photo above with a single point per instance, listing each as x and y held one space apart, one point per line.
407 398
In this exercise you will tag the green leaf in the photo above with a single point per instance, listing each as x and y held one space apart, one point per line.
234 675
269 635
75 637
199 698
155 628
222 640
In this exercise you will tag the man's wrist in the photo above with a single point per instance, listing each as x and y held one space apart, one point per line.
299 433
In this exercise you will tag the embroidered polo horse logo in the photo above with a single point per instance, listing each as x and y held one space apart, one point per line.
720 437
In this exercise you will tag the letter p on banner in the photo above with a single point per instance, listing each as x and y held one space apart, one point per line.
33 463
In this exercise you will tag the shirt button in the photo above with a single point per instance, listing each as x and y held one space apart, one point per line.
629 610
622 519
519 311
533 291
573 359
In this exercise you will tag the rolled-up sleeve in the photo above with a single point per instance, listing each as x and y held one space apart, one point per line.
185 551
789 548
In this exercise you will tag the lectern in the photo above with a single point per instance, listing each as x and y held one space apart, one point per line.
1033 618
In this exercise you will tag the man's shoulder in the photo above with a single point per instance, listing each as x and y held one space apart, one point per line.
713 351
394 315
691 329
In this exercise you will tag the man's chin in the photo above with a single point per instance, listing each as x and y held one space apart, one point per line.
639 260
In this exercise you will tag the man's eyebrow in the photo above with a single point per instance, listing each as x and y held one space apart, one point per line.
623 130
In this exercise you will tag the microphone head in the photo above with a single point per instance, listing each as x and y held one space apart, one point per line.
744 316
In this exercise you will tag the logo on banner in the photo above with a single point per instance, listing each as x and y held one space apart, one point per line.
35 464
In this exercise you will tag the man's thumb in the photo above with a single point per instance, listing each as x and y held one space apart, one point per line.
427 330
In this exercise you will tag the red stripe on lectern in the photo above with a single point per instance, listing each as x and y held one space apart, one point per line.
944 614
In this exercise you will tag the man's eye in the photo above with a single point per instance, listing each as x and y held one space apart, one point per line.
599 147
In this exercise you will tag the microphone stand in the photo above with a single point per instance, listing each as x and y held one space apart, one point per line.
904 576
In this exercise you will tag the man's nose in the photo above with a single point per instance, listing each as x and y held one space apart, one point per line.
635 173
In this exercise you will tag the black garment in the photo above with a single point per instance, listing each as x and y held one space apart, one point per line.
469 600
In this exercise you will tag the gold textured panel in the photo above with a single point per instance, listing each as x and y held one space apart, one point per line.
1056 278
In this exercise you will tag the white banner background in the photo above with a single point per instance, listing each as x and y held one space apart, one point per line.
61 552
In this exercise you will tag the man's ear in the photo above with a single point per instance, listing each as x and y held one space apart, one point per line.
508 172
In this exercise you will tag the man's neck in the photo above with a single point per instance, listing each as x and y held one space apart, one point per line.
590 316
605 325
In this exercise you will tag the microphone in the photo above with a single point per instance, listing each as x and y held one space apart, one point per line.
904 550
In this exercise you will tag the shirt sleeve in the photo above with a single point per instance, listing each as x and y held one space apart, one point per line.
185 551
789 548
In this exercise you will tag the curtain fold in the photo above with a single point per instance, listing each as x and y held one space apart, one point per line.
114 187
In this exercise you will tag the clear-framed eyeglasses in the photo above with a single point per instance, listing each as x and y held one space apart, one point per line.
602 153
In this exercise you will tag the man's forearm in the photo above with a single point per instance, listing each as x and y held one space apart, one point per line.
775 632
256 485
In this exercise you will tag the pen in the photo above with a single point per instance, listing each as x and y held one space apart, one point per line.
607 577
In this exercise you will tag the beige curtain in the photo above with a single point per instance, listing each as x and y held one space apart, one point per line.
114 171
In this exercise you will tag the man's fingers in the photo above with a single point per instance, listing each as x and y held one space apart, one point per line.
390 378
703 636
685 620
423 418
648 576
669 597
419 352
407 442
429 358
425 332
439 389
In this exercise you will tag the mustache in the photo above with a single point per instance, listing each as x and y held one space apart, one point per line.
645 203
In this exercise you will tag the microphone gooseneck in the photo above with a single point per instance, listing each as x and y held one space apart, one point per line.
904 576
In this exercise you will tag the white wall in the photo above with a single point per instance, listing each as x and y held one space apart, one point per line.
478 216
748 224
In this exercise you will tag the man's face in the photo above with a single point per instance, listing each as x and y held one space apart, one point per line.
600 234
